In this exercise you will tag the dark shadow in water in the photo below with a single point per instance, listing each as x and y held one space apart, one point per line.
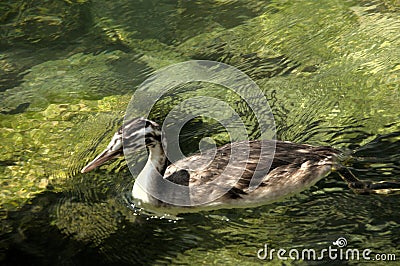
379 159
251 64
35 240
19 109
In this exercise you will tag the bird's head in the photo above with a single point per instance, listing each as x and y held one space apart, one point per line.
134 134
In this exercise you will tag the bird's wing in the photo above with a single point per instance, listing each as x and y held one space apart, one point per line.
264 154
234 162
279 164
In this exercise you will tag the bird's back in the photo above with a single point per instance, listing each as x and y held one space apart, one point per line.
282 168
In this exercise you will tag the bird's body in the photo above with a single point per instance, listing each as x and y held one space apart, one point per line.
294 168
286 168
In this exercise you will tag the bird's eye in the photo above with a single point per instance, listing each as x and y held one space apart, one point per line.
148 123
148 141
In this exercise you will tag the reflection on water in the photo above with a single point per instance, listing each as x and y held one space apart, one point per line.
330 72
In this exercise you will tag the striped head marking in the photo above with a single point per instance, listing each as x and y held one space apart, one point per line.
134 134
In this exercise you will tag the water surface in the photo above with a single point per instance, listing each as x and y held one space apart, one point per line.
329 69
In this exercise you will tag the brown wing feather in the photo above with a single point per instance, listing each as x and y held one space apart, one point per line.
278 165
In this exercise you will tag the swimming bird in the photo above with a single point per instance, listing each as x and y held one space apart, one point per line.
288 169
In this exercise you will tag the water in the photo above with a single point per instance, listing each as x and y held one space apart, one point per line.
330 71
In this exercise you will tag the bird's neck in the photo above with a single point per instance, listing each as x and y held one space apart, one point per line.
154 169
157 158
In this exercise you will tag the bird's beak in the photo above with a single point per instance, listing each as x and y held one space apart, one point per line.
103 157
114 149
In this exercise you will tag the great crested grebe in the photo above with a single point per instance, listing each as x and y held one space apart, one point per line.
294 168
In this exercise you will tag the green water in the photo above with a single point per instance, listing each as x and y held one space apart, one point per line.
329 69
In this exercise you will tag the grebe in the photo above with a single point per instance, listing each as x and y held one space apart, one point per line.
294 168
